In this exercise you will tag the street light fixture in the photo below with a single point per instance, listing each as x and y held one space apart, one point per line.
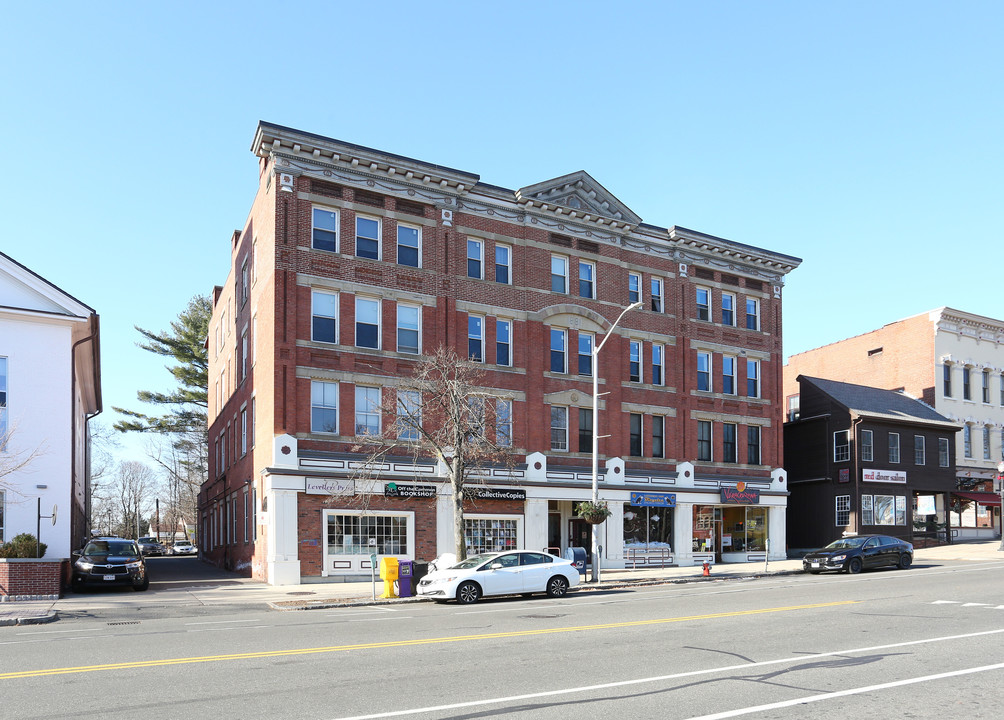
594 551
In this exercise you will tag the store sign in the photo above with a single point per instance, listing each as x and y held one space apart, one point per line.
653 499
483 493
409 491
330 486
740 495
884 476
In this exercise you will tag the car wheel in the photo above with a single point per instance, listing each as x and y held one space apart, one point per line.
468 593
905 561
144 586
854 566
557 587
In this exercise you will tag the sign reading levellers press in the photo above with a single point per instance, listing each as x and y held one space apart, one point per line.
740 495
409 491
329 486
642 499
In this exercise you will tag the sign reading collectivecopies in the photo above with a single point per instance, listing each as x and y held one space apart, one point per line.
486 493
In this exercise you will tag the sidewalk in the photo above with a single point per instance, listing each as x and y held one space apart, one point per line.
238 592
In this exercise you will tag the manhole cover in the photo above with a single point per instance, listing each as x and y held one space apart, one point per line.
301 593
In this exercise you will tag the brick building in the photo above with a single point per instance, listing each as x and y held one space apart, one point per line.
953 361
354 263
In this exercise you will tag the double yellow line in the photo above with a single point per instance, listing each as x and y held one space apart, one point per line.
401 643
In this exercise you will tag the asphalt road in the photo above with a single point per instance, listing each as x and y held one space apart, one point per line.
923 643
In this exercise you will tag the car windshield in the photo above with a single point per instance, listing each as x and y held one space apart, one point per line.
846 543
473 561
104 548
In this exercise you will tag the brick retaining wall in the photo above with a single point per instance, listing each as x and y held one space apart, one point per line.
29 578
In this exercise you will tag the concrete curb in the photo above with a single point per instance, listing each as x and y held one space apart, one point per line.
30 619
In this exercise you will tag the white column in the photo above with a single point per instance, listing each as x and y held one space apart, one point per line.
683 534
283 540
777 532
535 524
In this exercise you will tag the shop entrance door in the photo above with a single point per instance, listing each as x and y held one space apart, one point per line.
580 534
718 539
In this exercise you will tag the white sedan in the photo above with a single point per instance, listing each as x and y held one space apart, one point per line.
519 572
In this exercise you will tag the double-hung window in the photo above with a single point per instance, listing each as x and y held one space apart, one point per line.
367 237
986 386
244 431
842 446
559 343
752 378
409 414
729 443
367 410
559 274
324 317
324 233
728 375
503 264
634 287
409 324
867 446
503 423
559 428
843 511
656 299
634 374
943 452
409 245
587 280
753 444
946 379
475 338
704 440
475 258
635 449
893 447
323 407
585 430
658 436
704 371
752 314
703 304
986 442
728 309
503 342
586 341
658 368
367 323
966 388
919 450
967 440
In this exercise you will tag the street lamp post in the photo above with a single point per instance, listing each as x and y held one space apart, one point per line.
1000 487
594 551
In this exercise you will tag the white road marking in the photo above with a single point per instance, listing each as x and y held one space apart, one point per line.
975 604
711 671
946 602
221 622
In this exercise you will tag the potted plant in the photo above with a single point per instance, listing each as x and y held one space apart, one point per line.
594 512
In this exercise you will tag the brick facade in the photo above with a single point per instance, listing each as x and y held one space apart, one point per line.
30 579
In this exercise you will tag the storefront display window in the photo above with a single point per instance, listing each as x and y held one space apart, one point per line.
734 528
491 534
648 528
366 534
705 517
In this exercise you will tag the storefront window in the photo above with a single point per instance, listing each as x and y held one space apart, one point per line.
648 528
490 534
744 529
704 527
365 534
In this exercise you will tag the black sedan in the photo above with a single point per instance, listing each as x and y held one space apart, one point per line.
860 552
150 546
110 562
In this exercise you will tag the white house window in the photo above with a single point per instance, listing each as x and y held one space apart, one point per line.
919 450
324 233
559 274
842 446
704 371
324 317
986 442
967 440
244 431
634 369
409 245
323 407
966 385
656 299
367 238
728 309
867 445
558 345
658 372
752 378
3 402
503 342
587 280
586 341
752 314
943 452
475 256
634 287
728 375
376 532
947 379
986 386
367 410
503 264
894 447
559 428
843 510
703 304
367 323
475 338
408 329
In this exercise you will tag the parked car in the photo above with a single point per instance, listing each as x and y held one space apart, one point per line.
150 546
110 561
519 572
860 552
183 547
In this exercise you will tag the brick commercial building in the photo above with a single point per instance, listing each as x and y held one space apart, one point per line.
354 264
953 361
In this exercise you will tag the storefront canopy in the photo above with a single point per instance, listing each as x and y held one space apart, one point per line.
983 498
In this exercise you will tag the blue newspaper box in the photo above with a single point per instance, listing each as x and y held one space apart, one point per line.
578 557
405 574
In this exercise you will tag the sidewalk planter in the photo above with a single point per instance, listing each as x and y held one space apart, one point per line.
31 579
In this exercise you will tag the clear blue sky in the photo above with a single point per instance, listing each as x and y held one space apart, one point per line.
862 137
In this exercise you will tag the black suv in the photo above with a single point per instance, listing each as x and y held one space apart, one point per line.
110 561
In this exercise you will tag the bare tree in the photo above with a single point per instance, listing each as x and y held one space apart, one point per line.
14 460
442 412
131 491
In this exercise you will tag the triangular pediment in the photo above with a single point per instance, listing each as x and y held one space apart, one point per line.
579 192
22 289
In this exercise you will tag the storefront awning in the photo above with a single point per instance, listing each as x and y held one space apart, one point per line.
983 498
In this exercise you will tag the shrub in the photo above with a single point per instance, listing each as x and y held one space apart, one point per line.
22 546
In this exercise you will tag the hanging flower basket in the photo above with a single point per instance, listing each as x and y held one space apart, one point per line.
594 513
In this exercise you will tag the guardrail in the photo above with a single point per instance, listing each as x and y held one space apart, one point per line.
650 557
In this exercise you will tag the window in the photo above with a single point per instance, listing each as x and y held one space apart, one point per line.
503 342
656 299
1002 390
752 314
409 245
658 436
475 419
475 254
966 392
894 447
967 440
635 449
728 309
587 280
503 264
986 442
634 287
867 445
409 414
793 409
349 533
703 304
842 446
883 510
753 378
585 430
558 340
943 452
245 282
3 405
559 274
704 440
634 350
408 326
728 375
919 450
2 503
753 445
947 379
867 514
729 442
244 431
367 410
367 238
323 407
586 342
503 423
704 371
244 353
986 386
367 323
559 428
843 510
324 324
475 338
324 234
658 375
